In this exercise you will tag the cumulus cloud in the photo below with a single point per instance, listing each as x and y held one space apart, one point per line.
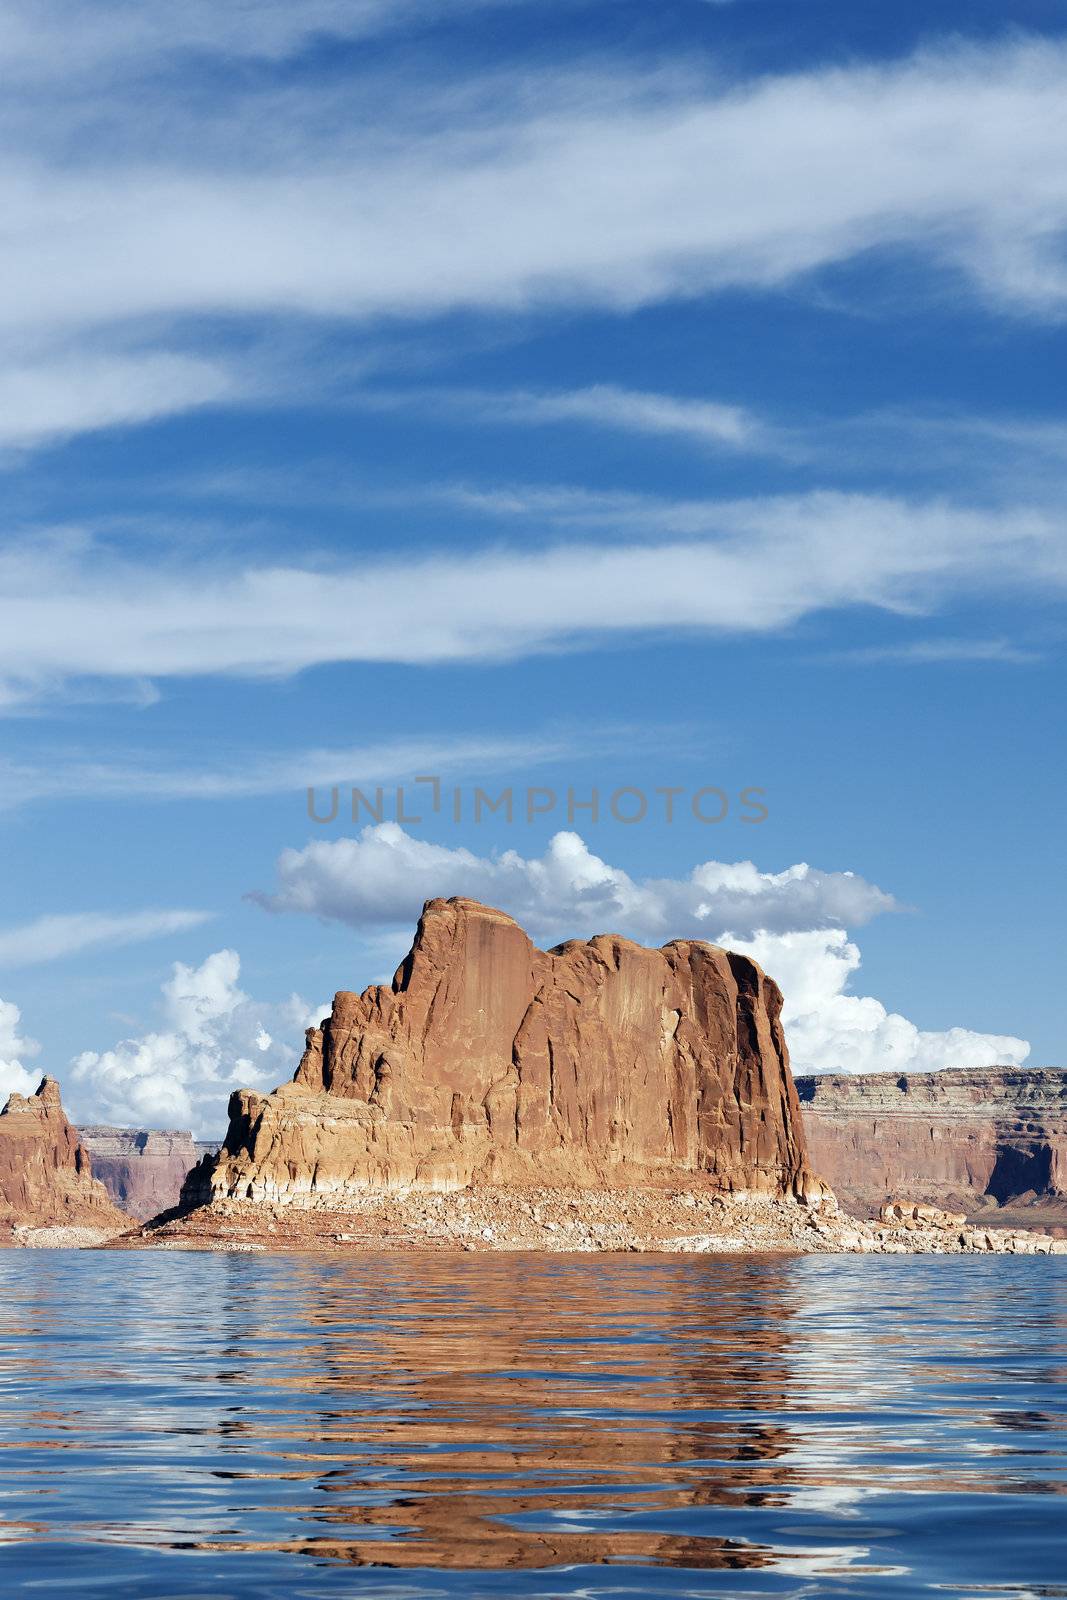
65 934
831 1030
215 1039
793 922
14 1047
381 879
749 566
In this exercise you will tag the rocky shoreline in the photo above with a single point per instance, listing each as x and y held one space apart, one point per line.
585 1221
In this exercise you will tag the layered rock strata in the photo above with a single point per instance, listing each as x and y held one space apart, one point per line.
142 1169
969 1139
488 1061
45 1175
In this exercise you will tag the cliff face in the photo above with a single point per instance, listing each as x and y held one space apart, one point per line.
142 1169
45 1177
489 1061
961 1136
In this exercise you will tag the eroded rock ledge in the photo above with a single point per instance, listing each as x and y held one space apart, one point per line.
491 1062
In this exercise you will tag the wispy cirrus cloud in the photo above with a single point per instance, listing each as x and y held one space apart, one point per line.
372 198
49 938
1005 460
1028 452
742 567
924 652
616 189
39 39
72 391
141 776
699 421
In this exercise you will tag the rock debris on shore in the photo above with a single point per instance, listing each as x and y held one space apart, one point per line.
559 1220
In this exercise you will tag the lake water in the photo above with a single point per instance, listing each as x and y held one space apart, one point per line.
247 1426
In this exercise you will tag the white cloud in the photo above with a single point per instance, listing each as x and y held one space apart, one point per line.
1015 453
792 922
617 189
14 1046
73 391
388 763
830 1030
756 566
26 697
196 997
48 938
923 652
214 1040
215 1037
602 405
1005 459
370 195
42 38
382 878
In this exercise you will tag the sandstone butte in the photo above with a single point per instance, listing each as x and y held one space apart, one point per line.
976 1139
45 1175
489 1062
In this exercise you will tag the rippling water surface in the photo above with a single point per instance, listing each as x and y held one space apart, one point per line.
258 1426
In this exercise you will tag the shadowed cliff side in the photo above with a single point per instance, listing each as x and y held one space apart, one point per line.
489 1061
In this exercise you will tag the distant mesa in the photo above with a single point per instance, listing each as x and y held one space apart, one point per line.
976 1139
143 1169
45 1175
596 1064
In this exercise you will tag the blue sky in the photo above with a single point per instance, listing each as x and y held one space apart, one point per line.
571 395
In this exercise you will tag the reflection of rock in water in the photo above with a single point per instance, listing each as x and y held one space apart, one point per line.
498 1436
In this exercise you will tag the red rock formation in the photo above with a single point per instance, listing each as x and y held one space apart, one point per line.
142 1169
963 1137
45 1178
489 1061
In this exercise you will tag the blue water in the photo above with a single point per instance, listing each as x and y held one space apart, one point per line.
233 1426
